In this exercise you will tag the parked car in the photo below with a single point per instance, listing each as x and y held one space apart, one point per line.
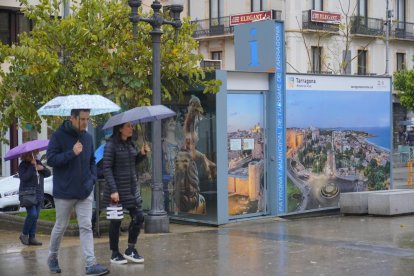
9 193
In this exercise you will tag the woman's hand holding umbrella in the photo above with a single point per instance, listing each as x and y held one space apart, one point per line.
37 166
145 149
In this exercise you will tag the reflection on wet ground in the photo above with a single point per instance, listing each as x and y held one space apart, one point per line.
334 245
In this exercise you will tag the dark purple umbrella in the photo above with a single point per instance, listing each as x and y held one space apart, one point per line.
142 114
26 147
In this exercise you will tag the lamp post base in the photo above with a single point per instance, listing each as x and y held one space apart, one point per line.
157 224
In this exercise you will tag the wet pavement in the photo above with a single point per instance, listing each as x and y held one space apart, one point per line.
326 245
329 245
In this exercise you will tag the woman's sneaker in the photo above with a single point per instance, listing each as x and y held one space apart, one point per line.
117 258
133 256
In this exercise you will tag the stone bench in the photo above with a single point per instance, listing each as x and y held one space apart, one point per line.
357 202
393 202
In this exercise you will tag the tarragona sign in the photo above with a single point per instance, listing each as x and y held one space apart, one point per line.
250 17
325 17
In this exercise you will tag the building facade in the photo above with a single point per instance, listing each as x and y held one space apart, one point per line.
323 37
346 37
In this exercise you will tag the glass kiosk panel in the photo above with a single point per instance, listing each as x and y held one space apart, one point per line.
246 154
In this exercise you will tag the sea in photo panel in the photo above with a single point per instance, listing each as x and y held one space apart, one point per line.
189 158
337 141
245 146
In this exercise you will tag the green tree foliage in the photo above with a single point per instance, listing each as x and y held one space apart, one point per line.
404 84
377 175
92 51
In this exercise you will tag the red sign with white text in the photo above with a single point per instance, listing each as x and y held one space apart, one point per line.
250 17
325 17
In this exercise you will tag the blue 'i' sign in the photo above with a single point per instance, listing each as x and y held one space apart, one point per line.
254 59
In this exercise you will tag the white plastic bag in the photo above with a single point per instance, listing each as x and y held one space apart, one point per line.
114 212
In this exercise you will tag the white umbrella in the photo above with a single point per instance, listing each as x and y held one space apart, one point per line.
62 105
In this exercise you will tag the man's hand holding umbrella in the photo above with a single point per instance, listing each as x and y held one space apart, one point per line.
77 148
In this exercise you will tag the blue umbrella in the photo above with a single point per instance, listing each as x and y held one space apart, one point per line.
99 152
142 114
62 105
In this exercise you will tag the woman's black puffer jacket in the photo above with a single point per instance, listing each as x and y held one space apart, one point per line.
119 169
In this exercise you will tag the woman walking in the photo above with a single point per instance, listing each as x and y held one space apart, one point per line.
31 174
119 168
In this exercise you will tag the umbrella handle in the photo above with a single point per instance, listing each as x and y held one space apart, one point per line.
37 172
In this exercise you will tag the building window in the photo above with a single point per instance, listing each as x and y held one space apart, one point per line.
215 8
362 8
256 5
5 36
400 61
316 59
216 55
362 62
400 13
317 5
23 24
12 23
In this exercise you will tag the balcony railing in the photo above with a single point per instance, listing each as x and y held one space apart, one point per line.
367 26
213 27
402 30
220 25
308 24
213 64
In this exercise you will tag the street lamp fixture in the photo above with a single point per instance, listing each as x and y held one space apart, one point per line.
157 219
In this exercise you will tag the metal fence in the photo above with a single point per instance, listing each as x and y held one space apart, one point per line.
367 26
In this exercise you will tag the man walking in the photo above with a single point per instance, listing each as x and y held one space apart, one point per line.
71 154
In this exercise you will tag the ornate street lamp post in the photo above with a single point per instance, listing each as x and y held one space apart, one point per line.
157 220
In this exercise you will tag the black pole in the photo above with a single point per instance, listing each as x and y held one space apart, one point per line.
157 220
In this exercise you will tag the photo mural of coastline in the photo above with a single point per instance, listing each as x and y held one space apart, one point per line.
337 142
245 132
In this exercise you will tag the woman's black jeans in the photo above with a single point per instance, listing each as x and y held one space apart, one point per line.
137 219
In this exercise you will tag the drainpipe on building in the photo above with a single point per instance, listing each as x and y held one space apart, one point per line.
388 16
66 8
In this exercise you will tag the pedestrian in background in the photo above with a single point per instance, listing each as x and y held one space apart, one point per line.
410 137
402 136
31 175
71 154
119 166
